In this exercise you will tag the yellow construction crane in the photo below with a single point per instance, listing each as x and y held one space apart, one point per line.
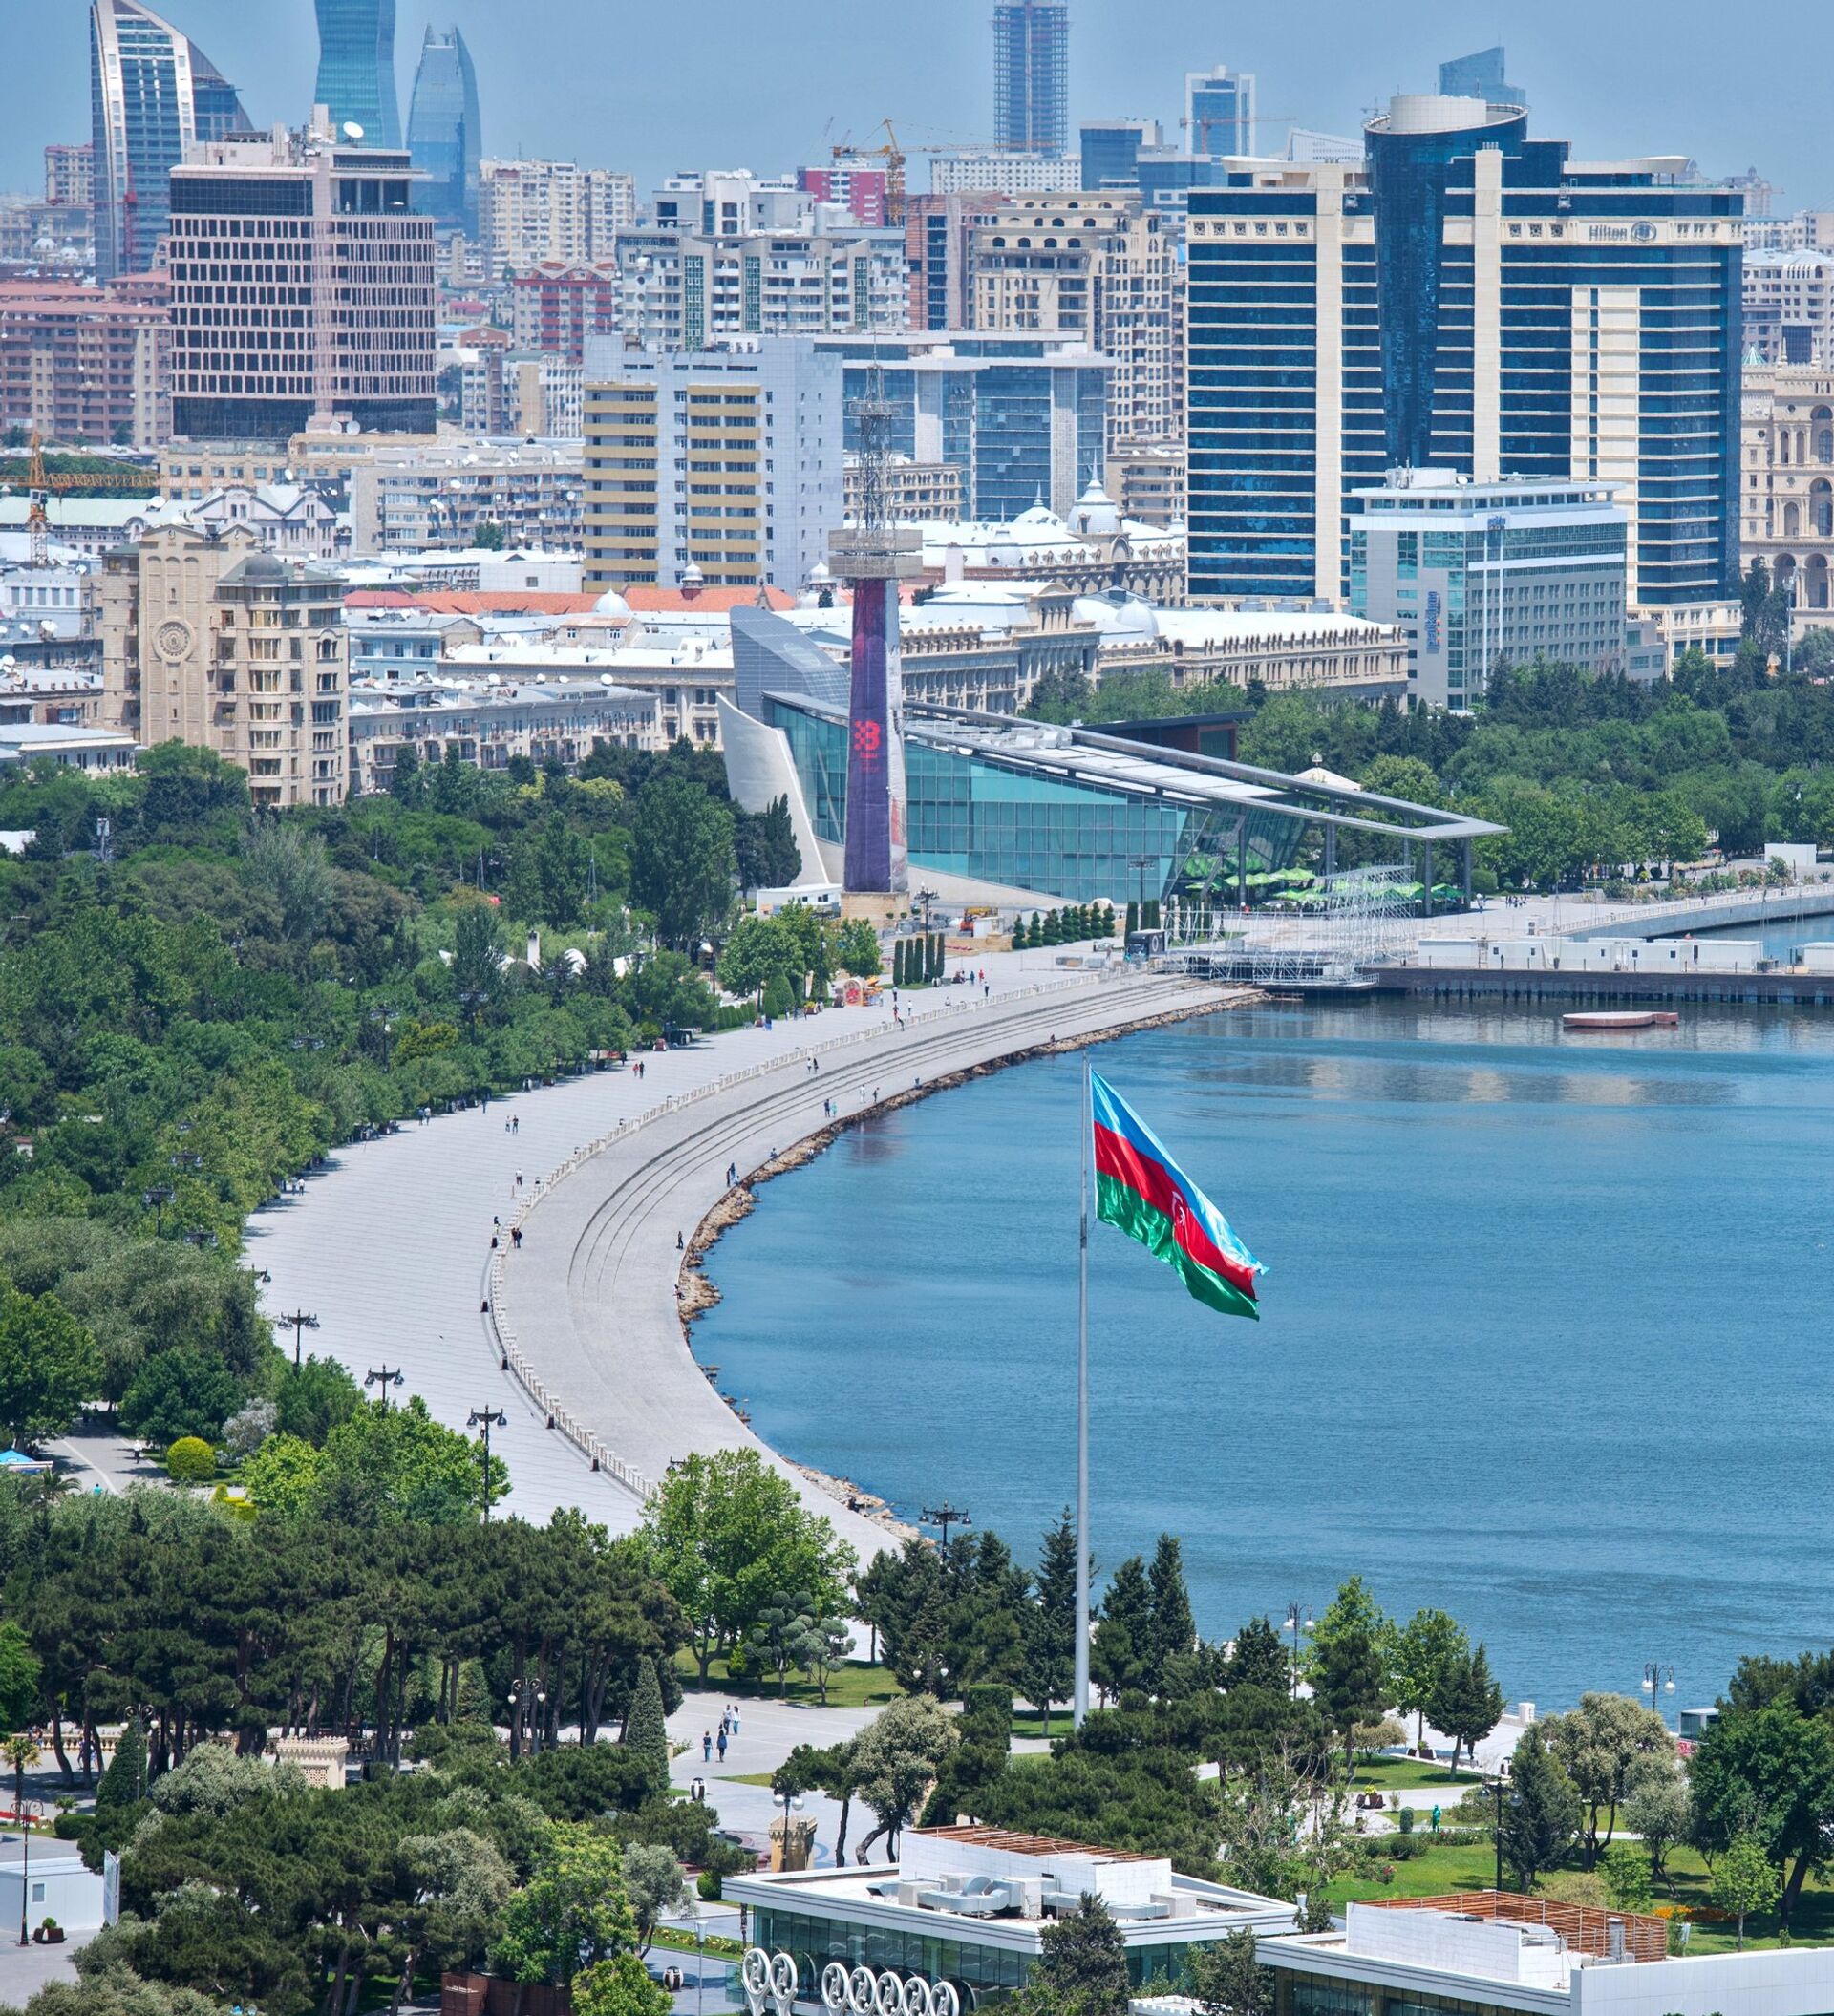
893 156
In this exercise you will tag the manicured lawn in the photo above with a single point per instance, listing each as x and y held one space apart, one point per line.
855 1685
1434 1874
749 1778
1399 1772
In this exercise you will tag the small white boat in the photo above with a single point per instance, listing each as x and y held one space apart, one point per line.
1620 1022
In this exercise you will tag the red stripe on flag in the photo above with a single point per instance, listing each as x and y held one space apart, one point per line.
1117 1157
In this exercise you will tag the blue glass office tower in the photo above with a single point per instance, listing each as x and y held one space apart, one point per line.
1480 77
1031 75
1470 299
444 132
1111 149
1219 112
152 92
356 68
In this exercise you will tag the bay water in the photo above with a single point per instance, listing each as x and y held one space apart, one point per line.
1544 1342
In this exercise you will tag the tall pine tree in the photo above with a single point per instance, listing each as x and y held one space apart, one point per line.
1051 1638
1174 1628
646 1728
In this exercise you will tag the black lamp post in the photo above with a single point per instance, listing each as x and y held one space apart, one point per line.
384 1376
487 1417
946 1516
302 1321
1294 1611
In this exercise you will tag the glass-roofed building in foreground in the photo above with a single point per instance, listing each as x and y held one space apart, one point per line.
1006 811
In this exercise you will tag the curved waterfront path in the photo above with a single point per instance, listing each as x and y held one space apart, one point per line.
390 1244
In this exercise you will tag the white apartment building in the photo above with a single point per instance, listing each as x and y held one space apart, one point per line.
490 718
302 289
1789 306
404 500
719 466
530 212
966 174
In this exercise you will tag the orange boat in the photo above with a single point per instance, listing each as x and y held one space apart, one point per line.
1620 1021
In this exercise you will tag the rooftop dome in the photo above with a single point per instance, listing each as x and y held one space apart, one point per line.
1117 615
611 604
1039 516
1097 514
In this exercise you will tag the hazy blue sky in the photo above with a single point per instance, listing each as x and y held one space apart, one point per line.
765 84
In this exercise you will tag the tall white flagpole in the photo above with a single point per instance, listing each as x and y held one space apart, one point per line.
1080 1705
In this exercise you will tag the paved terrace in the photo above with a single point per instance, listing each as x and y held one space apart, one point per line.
390 1243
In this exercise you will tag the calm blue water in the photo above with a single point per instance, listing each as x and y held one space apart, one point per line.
1543 1340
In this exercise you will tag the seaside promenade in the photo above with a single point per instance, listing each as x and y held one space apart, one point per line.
388 1244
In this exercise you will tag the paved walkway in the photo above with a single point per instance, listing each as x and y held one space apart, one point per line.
390 1243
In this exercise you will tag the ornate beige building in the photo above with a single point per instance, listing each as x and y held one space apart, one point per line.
1786 499
213 642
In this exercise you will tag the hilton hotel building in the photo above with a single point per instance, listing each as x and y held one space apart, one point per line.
1466 299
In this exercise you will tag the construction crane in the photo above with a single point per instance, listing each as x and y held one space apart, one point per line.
893 156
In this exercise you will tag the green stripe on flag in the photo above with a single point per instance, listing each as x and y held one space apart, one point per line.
1118 1205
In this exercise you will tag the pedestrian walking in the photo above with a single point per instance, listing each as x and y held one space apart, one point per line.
515 1236
678 1243
735 1718
707 1746
722 1746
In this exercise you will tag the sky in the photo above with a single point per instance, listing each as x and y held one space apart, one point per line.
771 84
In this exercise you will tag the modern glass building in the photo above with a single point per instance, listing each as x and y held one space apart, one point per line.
1471 299
1111 152
1023 417
1219 112
356 68
445 132
1480 77
1031 75
153 94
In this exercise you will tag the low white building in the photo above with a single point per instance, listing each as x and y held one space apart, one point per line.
96 750
58 1887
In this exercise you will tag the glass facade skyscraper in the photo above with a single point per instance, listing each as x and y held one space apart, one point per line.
444 132
1480 77
1219 112
153 93
356 68
1467 299
1031 75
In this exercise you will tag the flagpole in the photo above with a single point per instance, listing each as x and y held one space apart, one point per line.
1080 1703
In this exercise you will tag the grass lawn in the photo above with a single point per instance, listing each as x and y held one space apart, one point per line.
1386 1773
855 1685
1434 1874
749 1778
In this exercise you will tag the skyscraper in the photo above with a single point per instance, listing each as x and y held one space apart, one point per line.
356 68
152 92
444 132
1466 299
1031 75
1219 112
1480 77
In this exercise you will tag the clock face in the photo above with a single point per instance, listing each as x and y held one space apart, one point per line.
173 639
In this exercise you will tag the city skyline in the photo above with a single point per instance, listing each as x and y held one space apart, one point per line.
1636 91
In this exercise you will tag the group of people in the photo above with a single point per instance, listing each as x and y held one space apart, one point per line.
728 1734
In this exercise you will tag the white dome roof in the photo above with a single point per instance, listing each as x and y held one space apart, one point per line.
1040 517
611 604
1116 616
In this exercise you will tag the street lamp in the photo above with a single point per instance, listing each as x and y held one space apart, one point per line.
945 1516
384 1376
522 1692
1496 1786
1658 1678
487 1417
156 1200
302 1321
1294 1614
1139 863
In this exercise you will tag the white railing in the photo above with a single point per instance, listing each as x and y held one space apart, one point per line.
510 1354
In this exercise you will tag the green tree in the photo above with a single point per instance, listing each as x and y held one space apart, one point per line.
1122 1646
895 1757
21 1675
856 949
386 1465
646 1729
1604 1742
620 1987
1174 1629
572 1913
49 1365
1468 1704
182 1393
1745 1881
757 952
190 1460
1353 1611
682 866
655 1883
1083 1961
311 1399
726 1534
1227 1979
1259 1659
1766 1772
1050 1620
1656 1812
1348 1682
1426 1650
1541 1811
1627 1878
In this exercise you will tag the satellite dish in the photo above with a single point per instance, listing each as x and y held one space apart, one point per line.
353 132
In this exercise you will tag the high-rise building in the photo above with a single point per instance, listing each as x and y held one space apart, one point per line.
555 308
444 132
357 69
723 467
1031 75
530 212
1789 480
69 173
964 172
1021 416
1111 151
153 94
1789 306
210 641
861 191
1219 112
301 290
1100 266
939 233
1480 77
1467 299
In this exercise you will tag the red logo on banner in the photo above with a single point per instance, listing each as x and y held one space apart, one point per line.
865 739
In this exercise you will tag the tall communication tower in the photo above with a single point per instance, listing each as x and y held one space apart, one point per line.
872 556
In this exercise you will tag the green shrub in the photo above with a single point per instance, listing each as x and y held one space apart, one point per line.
190 1460
707 1884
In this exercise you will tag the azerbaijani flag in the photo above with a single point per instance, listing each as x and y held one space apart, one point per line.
1139 1188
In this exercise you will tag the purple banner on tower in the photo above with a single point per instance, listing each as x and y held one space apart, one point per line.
875 859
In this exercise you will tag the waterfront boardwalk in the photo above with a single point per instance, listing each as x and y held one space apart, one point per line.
388 1244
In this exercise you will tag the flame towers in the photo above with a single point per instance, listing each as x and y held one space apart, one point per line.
443 132
357 67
